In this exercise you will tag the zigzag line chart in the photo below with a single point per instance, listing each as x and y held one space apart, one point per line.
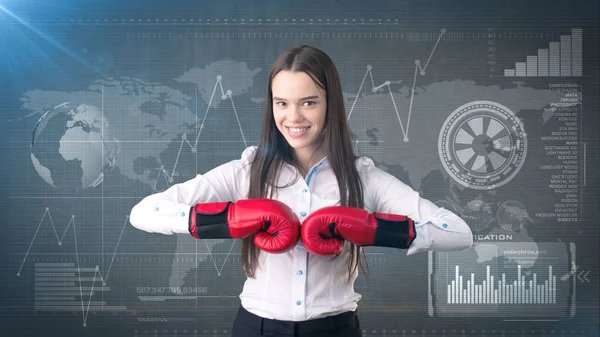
420 70
194 146
200 126
48 272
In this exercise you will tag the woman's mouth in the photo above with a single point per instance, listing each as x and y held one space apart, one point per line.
295 132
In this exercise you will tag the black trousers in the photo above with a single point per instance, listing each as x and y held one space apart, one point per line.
248 324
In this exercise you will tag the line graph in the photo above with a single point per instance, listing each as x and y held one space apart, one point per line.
169 178
85 307
418 70
194 146
212 258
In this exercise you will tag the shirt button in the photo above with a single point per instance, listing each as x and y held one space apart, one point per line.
445 225
299 272
305 190
303 213
298 302
156 209
182 213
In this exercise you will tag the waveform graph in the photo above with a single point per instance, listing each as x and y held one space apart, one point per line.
520 291
376 95
563 58
503 279
67 276
222 129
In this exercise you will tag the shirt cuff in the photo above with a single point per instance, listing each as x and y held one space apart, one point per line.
445 231
423 240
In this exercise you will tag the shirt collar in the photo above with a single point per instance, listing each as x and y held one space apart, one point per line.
321 164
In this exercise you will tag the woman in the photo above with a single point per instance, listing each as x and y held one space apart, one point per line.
304 162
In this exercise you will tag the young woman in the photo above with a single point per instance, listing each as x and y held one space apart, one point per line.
303 204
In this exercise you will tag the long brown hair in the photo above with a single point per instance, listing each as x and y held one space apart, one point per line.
273 150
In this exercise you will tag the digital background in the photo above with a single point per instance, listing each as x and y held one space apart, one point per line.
487 108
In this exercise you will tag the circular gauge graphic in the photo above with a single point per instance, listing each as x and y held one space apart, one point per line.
482 145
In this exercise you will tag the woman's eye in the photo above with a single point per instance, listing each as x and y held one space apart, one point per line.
310 103
280 103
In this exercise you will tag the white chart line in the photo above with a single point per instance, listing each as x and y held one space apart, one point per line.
102 192
193 147
84 308
418 70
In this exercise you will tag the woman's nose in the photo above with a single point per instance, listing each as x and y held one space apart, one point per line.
295 113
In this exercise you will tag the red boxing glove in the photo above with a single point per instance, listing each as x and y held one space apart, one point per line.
275 227
324 231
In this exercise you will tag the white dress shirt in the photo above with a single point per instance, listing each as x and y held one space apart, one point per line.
297 285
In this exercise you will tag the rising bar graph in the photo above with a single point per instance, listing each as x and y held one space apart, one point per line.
561 59
519 291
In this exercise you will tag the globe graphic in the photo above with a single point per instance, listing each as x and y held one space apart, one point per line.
68 147
477 214
511 215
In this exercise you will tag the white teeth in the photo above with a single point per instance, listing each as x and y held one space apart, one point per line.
297 130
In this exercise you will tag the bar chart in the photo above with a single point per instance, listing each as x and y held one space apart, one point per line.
71 288
503 279
487 292
561 59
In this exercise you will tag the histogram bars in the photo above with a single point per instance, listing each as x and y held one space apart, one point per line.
418 70
520 291
561 59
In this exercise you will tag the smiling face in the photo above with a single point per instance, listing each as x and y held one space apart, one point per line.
299 109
